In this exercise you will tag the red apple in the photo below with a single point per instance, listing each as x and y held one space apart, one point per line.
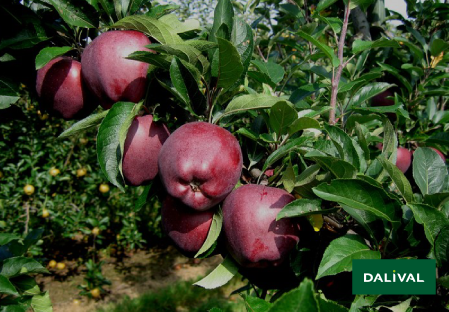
254 238
200 163
403 157
381 99
109 75
142 145
186 227
60 89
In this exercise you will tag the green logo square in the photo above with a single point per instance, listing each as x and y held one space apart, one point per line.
394 277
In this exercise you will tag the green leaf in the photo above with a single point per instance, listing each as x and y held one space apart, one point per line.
178 26
305 91
26 284
429 171
362 141
339 254
150 26
243 39
252 101
291 146
397 74
436 200
359 194
5 238
159 60
330 306
214 232
201 45
220 275
323 4
369 91
161 10
49 53
432 219
321 46
111 137
439 138
303 123
142 199
398 178
444 281
282 115
441 250
75 13
302 207
335 23
273 71
230 65
6 287
9 93
20 265
41 303
288 178
254 304
302 298
178 81
339 168
84 124
348 148
362 45
438 46
373 225
223 15
184 52
361 301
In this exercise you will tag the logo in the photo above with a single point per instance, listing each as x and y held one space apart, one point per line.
394 277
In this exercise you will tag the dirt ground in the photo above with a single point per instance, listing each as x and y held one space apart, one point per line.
139 273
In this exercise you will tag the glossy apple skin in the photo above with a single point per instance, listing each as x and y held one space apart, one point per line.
142 146
199 164
403 157
253 236
108 74
186 227
61 91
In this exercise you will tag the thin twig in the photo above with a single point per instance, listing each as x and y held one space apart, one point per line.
337 75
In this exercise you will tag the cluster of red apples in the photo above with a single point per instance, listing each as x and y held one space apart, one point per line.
199 164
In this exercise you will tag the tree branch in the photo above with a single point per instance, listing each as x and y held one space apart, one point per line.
337 75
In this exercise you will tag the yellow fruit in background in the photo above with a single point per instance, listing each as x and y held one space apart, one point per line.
52 264
28 189
76 302
95 231
293 58
316 220
81 172
60 265
54 172
104 188
95 293
83 141
45 213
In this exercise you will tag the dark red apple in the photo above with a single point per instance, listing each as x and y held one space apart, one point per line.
403 157
186 227
381 99
142 146
109 75
253 236
199 164
60 89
